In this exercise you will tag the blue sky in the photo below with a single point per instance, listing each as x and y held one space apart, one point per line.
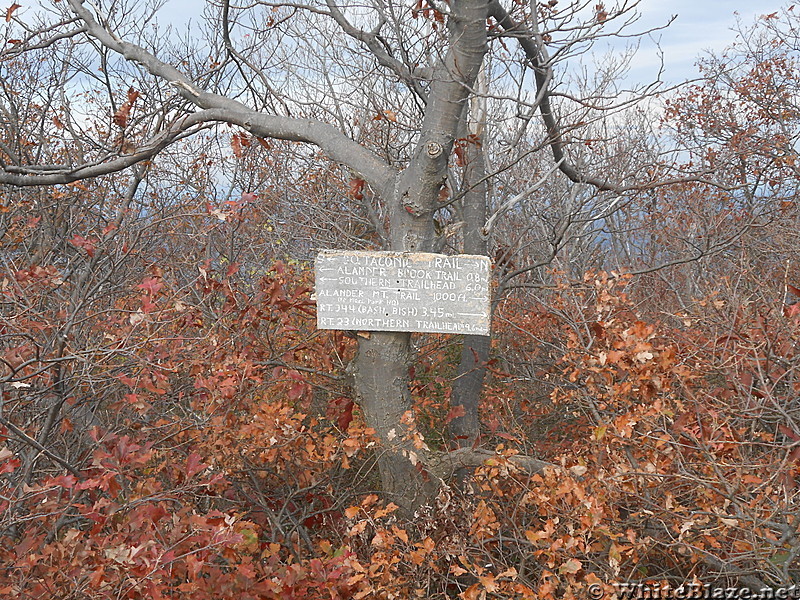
700 25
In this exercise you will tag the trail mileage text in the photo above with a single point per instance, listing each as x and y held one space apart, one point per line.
402 291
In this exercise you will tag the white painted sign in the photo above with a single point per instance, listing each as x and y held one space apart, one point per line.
402 291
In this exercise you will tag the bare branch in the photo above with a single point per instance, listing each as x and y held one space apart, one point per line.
370 39
55 174
334 143
444 465
34 444
533 51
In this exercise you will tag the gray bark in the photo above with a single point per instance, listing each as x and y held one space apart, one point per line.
382 362
381 376
471 371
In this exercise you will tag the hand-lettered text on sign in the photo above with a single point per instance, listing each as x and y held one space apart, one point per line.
402 291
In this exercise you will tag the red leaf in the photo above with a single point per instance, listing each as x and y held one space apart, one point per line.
347 414
746 379
298 387
296 391
194 465
67 481
8 461
791 310
151 285
81 242
129 381
131 398
356 189
788 433
508 436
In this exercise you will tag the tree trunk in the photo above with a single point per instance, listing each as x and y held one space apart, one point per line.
467 387
383 359
471 371
382 382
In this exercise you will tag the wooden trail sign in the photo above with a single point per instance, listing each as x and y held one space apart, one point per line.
402 291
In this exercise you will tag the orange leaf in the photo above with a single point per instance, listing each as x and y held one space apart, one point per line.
389 115
401 533
239 141
614 356
601 12
454 413
121 116
10 11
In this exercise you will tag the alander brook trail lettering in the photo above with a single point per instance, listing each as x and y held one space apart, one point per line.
393 291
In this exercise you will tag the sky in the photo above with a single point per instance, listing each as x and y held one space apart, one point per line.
700 25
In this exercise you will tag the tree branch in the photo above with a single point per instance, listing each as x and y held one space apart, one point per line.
444 465
370 39
533 51
33 443
330 140
56 174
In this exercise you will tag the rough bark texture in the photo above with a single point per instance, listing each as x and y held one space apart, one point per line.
467 387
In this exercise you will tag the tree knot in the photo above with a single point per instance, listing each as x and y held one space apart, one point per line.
434 149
